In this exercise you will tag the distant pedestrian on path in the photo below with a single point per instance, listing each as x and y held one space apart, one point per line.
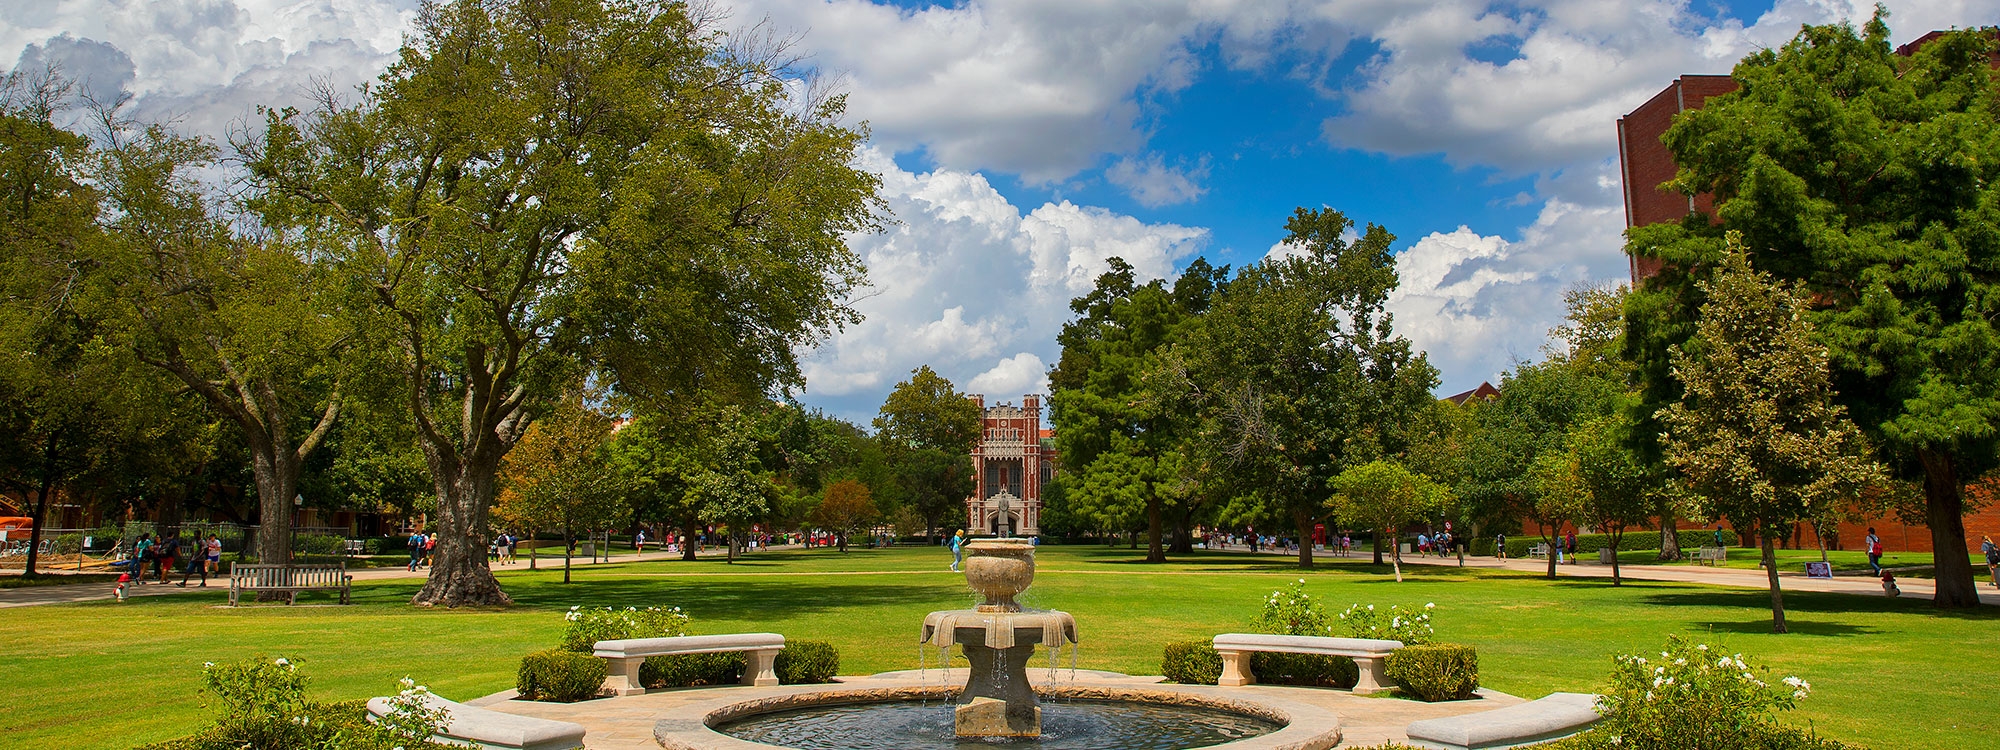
213 550
416 549
170 551
1874 545
1992 558
1500 546
639 541
957 549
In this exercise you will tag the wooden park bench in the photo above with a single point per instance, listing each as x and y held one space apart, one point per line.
1367 653
485 728
1539 551
1552 718
288 580
1711 556
622 674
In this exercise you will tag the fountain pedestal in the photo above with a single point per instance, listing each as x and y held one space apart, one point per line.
999 637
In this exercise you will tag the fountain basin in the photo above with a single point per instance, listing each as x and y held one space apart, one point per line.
1101 710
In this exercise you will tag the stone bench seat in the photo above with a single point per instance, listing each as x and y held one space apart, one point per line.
1367 653
626 655
479 727
1552 718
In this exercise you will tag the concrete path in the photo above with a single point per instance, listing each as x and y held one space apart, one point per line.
1913 588
627 723
85 592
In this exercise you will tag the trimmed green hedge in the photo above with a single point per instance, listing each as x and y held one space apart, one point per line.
807 663
559 676
691 669
1773 738
1436 671
1312 670
1191 663
1589 544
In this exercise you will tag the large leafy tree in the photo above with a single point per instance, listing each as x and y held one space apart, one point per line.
692 470
1300 374
1757 436
540 189
1119 431
246 324
927 428
845 508
1874 180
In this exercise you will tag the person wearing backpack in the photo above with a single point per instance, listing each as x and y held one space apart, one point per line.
1874 545
142 556
1992 558
416 549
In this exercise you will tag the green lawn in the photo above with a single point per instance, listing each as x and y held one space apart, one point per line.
1888 674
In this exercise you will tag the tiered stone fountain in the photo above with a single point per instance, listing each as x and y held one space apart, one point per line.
999 637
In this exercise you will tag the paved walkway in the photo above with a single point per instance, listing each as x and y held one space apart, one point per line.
85 592
627 723
1913 588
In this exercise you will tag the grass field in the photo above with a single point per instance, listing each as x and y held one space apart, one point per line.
1886 673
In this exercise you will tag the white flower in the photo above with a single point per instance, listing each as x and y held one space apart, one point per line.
1799 695
1702 647
1722 662
1793 681
407 693
1617 740
282 663
1302 580
407 682
208 665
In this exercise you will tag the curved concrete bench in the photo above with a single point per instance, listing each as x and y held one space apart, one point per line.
622 676
1367 654
479 727
1552 718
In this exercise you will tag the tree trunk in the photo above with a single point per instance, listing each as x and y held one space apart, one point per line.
688 529
1154 552
1378 546
569 550
533 551
1396 556
1944 512
277 483
459 575
1670 538
38 512
1549 548
1305 525
1616 539
1777 595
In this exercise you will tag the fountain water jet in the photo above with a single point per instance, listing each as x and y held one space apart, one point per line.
999 637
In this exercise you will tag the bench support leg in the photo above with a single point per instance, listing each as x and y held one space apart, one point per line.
1236 669
760 667
621 677
1372 678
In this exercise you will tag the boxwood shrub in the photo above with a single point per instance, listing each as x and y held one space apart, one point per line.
1313 670
691 669
807 663
1435 672
1191 663
559 676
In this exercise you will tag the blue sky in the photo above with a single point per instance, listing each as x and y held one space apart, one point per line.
1024 142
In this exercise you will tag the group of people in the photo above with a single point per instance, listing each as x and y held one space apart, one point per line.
421 545
1440 545
163 556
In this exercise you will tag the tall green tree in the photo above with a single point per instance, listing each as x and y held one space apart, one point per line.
1873 179
1114 423
543 189
249 325
695 469
1757 436
927 428
1300 374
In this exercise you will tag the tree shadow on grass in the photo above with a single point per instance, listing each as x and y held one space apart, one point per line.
1813 602
717 599
1793 626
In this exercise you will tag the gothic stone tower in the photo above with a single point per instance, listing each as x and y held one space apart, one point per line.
1012 460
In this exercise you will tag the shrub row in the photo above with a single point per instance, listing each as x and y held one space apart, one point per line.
1436 671
807 663
1191 663
559 676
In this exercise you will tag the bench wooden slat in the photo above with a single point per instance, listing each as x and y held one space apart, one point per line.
288 579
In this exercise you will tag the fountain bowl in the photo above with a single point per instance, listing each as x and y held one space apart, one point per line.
999 569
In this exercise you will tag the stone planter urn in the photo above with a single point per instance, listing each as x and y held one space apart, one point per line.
998 569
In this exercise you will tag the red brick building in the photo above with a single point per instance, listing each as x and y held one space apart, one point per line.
1644 164
1013 460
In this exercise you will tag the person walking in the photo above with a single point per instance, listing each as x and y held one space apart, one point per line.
957 549
1500 546
1570 546
639 541
201 562
430 546
416 545
213 553
142 556
1874 545
1992 558
168 554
